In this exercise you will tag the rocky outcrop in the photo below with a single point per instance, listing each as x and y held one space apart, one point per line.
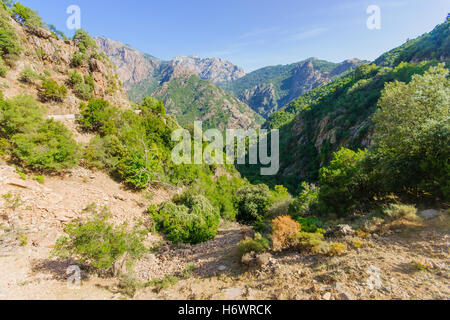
212 69
51 57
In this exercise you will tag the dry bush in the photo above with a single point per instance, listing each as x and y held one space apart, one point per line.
284 233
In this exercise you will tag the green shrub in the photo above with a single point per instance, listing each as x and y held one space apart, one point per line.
39 179
99 243
9 41
83 91
49 148
311 224
258 244
412 136
191 220
20 114
398 211
342 183
28 75
74 78
78 60
305 203
97 116
83 40
51 91
26 16
252 203
312 242
3 68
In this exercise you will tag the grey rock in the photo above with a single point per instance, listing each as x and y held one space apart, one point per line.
429 214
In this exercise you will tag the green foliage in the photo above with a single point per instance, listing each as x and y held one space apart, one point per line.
258 244
192 219
342 182
252 202
99 243
283 80
28 75
97 116
412 135
304 204
220 192
150 104
26 16
311 224
3 68
396 211
9 42
39 179
40 144
84 41
49 148
78 60
51 91
434 45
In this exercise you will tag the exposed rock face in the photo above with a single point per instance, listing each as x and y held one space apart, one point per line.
134 66
131 65
264 96
212 69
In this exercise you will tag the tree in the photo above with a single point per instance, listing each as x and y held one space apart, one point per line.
413 120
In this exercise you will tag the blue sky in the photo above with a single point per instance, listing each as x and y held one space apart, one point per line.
251 33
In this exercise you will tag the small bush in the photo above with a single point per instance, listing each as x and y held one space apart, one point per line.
97 116
51 91
311 224
39 179
192 220
284 232
304 204
78 60
252 203
9 41
98 243
164 283
312 242
357 244
401 211
74 78
83 91
28 75
258 244
337 249
3 68
49 148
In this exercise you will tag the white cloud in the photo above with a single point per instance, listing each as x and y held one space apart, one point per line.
307 34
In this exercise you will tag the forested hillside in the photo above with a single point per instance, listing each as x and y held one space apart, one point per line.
268 89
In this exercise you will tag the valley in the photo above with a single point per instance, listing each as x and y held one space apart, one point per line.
93 205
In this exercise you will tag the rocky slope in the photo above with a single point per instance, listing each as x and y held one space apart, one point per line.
182 84
268 89
52 58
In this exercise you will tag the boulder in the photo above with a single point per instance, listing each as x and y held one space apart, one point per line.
340 231
429 214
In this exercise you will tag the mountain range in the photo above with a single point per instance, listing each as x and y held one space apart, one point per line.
198 85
